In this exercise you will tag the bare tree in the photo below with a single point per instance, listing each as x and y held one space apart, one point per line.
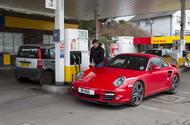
122 28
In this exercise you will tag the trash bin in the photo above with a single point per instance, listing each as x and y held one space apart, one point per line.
6 59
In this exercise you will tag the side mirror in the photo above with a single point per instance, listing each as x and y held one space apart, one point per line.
174 65
91 66
154 67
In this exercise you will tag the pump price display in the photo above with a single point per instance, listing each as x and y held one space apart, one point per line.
86 91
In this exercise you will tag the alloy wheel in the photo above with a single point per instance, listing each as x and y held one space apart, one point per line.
138 93
175 84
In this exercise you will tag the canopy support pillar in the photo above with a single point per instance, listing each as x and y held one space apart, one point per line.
59 46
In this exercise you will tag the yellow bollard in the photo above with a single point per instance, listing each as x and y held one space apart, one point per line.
6 59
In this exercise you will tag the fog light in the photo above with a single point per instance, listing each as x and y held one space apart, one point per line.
109 94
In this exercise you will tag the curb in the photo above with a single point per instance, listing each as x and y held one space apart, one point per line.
60 90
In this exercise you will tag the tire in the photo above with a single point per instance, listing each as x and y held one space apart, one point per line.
137 94
174 84
46 78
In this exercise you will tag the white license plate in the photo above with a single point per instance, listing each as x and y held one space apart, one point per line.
86 91
25 65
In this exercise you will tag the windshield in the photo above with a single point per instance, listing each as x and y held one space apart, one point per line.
129 62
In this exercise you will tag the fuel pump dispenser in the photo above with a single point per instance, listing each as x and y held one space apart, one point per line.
76 41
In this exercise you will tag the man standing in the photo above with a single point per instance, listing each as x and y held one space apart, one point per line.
96 54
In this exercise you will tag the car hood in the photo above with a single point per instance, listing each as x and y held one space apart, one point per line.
103 78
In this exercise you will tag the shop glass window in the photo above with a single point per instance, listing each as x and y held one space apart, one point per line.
48 39
18 41
1 42
8 42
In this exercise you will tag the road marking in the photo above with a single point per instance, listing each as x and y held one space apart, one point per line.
169 99
182 92
26 123
166 111
158 109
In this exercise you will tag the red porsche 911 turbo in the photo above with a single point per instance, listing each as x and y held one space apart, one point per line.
127 78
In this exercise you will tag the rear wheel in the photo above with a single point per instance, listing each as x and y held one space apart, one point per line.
46 78
174 84
137 94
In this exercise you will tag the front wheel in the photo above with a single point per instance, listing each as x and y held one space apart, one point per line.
137 95
174 84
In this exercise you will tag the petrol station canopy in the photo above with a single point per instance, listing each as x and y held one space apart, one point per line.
85 9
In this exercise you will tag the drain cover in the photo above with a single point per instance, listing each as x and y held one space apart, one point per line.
168 98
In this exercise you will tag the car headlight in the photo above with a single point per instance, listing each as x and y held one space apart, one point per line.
79 75
120 81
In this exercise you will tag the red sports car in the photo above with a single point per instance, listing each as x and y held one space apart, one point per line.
127 78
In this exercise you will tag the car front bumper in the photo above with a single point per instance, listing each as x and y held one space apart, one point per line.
121 96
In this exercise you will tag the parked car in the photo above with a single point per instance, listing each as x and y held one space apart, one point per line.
36 62
159 52
164 53
127 78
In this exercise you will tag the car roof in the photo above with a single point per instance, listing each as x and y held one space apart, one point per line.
140 54
39 45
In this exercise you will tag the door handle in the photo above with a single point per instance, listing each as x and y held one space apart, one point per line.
169 73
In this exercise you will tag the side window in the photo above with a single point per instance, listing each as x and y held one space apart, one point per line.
155 61
45 54
52 53
164 63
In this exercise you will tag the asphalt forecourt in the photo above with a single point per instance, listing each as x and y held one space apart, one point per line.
25 104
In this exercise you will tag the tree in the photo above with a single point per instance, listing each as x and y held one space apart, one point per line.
122 28
90 26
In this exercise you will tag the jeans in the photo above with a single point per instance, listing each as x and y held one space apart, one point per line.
99 65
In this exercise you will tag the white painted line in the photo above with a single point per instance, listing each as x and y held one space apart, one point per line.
182 92
160 110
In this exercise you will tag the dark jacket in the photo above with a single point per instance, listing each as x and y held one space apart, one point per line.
97 55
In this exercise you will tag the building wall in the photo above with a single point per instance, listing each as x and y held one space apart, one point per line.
142 25
176 22
160 26
166 26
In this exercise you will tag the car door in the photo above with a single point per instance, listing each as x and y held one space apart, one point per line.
156 78
49 58
52 58
167 73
